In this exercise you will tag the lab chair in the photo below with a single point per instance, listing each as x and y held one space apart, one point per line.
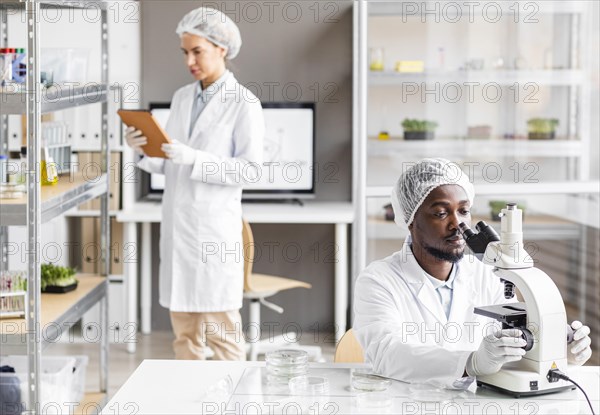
348 350
258 287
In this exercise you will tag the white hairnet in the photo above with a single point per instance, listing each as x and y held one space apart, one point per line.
415 184
213 25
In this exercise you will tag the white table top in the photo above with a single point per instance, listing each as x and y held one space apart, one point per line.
188 387
311 212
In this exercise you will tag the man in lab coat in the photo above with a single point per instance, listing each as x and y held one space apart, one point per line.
413 310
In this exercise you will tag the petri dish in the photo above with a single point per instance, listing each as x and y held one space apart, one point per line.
286 357
374 400
287 370
364 380
428 393
309 385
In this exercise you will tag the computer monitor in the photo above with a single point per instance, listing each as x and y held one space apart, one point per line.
289 152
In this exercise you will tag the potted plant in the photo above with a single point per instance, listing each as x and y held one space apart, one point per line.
542 128
418 129
57 279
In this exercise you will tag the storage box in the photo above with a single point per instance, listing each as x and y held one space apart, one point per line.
62 381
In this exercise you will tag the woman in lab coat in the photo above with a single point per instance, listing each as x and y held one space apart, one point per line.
217 127
413 311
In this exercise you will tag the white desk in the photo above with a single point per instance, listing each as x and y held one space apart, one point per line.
339 214
181 387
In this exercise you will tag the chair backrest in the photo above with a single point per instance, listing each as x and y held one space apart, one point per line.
348 350
248 253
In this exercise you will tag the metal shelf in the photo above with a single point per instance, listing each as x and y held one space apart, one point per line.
535 228
70 191
53 4
54 98
464 147
59 312
93 213
460 10
556 77
49 315
512 189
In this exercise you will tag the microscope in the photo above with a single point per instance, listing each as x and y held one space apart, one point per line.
541 317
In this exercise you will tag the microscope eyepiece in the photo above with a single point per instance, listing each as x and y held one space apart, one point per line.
478 241
489 232
465 230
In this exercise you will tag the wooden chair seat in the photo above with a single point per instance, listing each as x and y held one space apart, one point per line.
349 350
261 284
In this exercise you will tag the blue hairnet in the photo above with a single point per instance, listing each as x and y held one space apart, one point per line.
415 184
213 25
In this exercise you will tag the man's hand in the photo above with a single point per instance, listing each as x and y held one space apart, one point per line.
579 351
494 351
179 153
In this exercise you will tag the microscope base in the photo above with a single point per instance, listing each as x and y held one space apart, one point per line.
526 393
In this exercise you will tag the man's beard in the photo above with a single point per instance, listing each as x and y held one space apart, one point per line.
443 255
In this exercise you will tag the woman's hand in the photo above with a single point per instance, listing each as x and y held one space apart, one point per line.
179 153
135 139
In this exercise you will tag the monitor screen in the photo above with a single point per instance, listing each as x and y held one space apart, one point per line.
289 145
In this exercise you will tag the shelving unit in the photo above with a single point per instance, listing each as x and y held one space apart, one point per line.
386 8
70 191
500 77
467 147
59 313
49 314
441 35
55 98
536 227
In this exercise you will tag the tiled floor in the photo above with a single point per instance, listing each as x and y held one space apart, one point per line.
122 364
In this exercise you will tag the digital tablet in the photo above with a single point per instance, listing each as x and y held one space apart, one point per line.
144 121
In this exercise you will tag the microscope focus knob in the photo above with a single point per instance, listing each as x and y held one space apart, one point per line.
528 337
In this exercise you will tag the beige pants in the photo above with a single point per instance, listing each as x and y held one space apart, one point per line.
222 332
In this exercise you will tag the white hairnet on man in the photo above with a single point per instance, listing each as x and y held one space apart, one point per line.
415 184
213 25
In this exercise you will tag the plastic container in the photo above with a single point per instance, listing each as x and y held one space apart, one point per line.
286 357
365 381
374 402
49 170
291 371
19 66
62 380
13 294
6 58
309 385
283 365
420 392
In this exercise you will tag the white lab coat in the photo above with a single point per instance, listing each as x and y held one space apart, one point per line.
401 325
201 263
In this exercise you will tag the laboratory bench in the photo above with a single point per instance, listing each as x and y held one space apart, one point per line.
215 387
